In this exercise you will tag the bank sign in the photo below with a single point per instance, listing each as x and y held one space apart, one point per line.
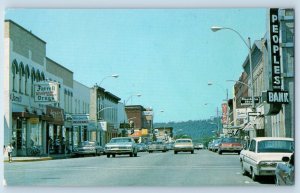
46 92
276 95
275 49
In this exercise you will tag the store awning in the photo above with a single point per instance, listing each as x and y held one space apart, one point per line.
24 115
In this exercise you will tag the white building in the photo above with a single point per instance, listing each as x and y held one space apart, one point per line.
29 122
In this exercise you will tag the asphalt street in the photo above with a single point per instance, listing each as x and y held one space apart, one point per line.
203 168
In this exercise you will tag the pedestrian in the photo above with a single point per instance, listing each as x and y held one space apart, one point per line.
9 150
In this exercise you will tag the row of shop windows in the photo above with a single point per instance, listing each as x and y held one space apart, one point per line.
41 138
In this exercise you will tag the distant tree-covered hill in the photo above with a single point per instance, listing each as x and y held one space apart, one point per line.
198 130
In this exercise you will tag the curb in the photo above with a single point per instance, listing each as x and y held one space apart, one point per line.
29 160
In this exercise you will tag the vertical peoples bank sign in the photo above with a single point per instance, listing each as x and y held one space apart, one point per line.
46 92
277 95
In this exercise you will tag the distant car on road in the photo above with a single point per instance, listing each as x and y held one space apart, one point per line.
230 144
285 172
263 155
142 147
183 145
215 145
121 145
198 146
88 148
157 146
170 145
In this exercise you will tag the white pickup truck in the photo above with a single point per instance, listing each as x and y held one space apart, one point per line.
263 154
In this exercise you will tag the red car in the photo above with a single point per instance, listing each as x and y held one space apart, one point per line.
230 144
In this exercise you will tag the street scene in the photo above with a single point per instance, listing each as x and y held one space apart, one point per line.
149 97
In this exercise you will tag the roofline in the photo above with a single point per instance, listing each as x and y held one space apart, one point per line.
59 65
12 22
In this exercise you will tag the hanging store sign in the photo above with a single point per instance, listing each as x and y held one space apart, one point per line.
224 113
46 92
34 120
275 49
278 97
56 113
247 101
80 119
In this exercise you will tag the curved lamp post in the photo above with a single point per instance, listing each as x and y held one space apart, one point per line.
100 119
217 28
111 76
125 102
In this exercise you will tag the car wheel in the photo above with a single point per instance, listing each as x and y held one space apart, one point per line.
219 152
253 176
192 152
243 169
114 155
108 155
131 154
135 155
175 152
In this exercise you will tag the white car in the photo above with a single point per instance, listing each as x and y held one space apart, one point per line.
185 145
263 154
121 145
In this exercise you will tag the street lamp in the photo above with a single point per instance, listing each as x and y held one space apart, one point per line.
165 135
217 28
125 102
113 76
97 123
211 84
227 112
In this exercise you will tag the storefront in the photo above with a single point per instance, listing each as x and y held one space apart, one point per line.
55 131
27 134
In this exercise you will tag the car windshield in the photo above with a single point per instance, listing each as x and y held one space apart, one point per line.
87 143
231 140
280 146
120 140
184 141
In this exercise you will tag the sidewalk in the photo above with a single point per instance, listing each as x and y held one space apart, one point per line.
41 158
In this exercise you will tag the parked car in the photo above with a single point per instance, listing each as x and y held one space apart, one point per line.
121 145
157 146
215 145
198 146
170 145
88 148
142 147
230 144
185 145
263 155
285 172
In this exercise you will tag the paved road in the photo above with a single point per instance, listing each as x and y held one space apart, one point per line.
204 168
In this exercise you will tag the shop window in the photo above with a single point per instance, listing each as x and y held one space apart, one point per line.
14 73
32 81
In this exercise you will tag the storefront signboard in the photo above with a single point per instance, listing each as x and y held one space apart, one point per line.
46 92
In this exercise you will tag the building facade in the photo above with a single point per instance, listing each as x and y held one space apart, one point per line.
104 119
273 80
31 119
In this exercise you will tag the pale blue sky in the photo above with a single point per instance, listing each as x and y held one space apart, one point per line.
167 55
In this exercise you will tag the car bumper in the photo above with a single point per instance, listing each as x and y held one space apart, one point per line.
118 151
230 149
183 149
